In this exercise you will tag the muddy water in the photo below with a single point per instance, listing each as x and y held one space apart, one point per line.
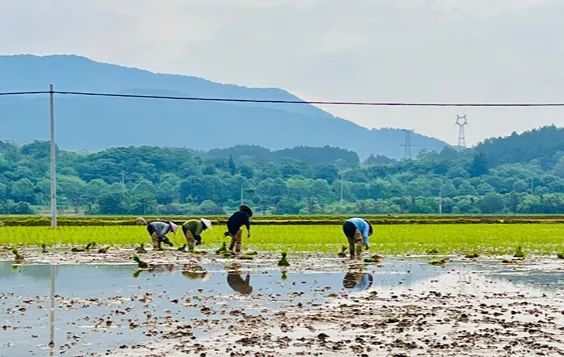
115 308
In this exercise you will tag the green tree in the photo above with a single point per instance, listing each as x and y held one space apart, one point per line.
166 193
23 190
466 189
479 165
111 203
209 207
491 203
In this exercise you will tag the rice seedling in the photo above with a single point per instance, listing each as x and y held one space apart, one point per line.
471 255
141 264
17 256
439 262
222 249
283 262
519 253
400 239
141 249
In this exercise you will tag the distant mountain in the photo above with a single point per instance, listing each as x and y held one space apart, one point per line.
545 144
93 123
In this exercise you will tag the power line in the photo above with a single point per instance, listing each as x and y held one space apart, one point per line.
280 101
25 92
319 102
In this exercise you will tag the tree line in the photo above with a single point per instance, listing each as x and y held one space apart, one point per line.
156 180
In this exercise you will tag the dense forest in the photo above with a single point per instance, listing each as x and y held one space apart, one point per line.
517 174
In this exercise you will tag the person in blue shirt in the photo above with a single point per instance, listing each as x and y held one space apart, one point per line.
357 231
358 280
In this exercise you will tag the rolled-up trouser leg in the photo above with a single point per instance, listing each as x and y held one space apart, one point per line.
189 240
351 246
237 241
232 243
358 243
156 241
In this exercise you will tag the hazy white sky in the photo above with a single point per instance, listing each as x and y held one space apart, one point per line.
363 50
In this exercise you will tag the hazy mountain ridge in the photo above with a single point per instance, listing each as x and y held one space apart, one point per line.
544 144
193 124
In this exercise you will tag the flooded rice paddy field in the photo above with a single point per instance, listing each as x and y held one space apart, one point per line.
320 305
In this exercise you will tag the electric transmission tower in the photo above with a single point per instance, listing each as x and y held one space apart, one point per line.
407 145
461 121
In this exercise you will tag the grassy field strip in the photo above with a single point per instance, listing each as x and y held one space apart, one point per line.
36 220
542 239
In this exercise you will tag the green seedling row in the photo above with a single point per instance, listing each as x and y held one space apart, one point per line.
481 239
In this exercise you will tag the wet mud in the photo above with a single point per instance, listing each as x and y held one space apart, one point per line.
320 305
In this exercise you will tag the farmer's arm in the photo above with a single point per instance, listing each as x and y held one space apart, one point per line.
197 232
365 233
162 229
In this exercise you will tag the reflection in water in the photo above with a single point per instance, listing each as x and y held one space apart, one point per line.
161 268
195 272
237 283
51 343
357 279
155 268
81 293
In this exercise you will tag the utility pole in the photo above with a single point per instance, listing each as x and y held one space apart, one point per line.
122 186
341 199
441 199
53 159
52 309
461 122
241 192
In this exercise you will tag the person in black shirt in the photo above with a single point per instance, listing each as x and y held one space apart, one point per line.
234 224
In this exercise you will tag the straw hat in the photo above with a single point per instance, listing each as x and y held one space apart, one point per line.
173 227
207 223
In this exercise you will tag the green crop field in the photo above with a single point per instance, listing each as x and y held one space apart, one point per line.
382 219
541 239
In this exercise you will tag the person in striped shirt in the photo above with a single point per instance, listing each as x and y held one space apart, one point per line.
158 231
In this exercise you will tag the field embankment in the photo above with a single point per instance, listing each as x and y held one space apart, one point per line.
36 220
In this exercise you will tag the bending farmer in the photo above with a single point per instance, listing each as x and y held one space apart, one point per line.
158 231
193 229
357 231
234 224
237 283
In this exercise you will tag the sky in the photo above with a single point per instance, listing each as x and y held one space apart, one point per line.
358 50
